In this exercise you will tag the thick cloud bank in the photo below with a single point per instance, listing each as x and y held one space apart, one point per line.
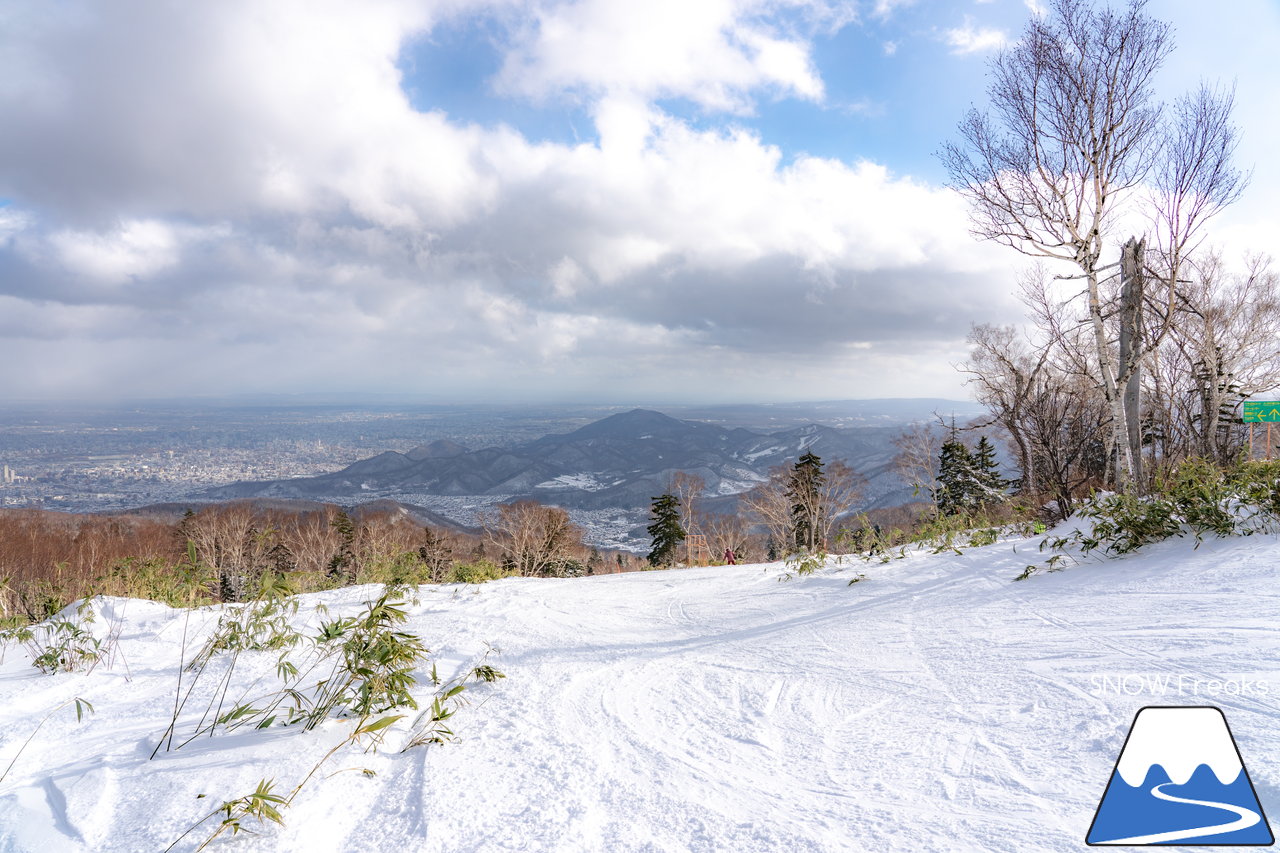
240 196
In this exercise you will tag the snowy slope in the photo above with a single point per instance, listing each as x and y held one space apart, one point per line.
934 707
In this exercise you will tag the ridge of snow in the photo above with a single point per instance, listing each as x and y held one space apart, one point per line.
768 451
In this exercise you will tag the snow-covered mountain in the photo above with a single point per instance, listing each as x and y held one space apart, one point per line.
934 706
619 461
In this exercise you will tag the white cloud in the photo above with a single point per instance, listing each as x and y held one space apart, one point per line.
716 53
264 191
968 38
1036 7
136 248
12 223
885 8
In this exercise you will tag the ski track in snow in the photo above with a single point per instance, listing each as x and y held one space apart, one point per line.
936 706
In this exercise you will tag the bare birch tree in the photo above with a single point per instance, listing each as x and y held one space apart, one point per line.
840 492
530 536
227 538
916 461
770 506
1075 140
688 488
1223 349
312 539
1045 395
725 532
1005 372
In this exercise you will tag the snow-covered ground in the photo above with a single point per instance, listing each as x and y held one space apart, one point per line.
937 706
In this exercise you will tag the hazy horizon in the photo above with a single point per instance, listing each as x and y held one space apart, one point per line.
392 399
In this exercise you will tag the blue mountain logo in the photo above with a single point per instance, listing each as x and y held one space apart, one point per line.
1180 780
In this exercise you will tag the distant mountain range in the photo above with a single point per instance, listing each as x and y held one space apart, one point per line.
621 461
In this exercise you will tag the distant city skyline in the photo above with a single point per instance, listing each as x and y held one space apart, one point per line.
484 200
110 457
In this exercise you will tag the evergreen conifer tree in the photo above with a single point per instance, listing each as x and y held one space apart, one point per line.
957 478
991 486
342 564
805 492
666 530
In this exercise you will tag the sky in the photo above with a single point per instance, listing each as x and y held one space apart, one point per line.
500 201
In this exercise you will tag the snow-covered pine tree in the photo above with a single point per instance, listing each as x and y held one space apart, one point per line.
957 478
805 491
666 530
992 488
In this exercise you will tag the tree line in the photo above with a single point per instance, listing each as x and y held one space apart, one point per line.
797 509
220 552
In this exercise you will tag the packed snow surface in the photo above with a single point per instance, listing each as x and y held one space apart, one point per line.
935 706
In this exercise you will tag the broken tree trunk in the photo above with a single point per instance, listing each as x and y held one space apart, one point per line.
1131 353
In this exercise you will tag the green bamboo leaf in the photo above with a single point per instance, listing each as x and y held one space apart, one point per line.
379 724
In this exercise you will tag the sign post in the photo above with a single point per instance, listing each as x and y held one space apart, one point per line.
696 549
1261 411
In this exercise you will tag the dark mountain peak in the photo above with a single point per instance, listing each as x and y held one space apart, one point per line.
441 448
617 461
636 423
381 464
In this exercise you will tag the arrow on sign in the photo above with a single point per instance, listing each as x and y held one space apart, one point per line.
1260 411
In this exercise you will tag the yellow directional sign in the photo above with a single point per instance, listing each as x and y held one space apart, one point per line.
1259 411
